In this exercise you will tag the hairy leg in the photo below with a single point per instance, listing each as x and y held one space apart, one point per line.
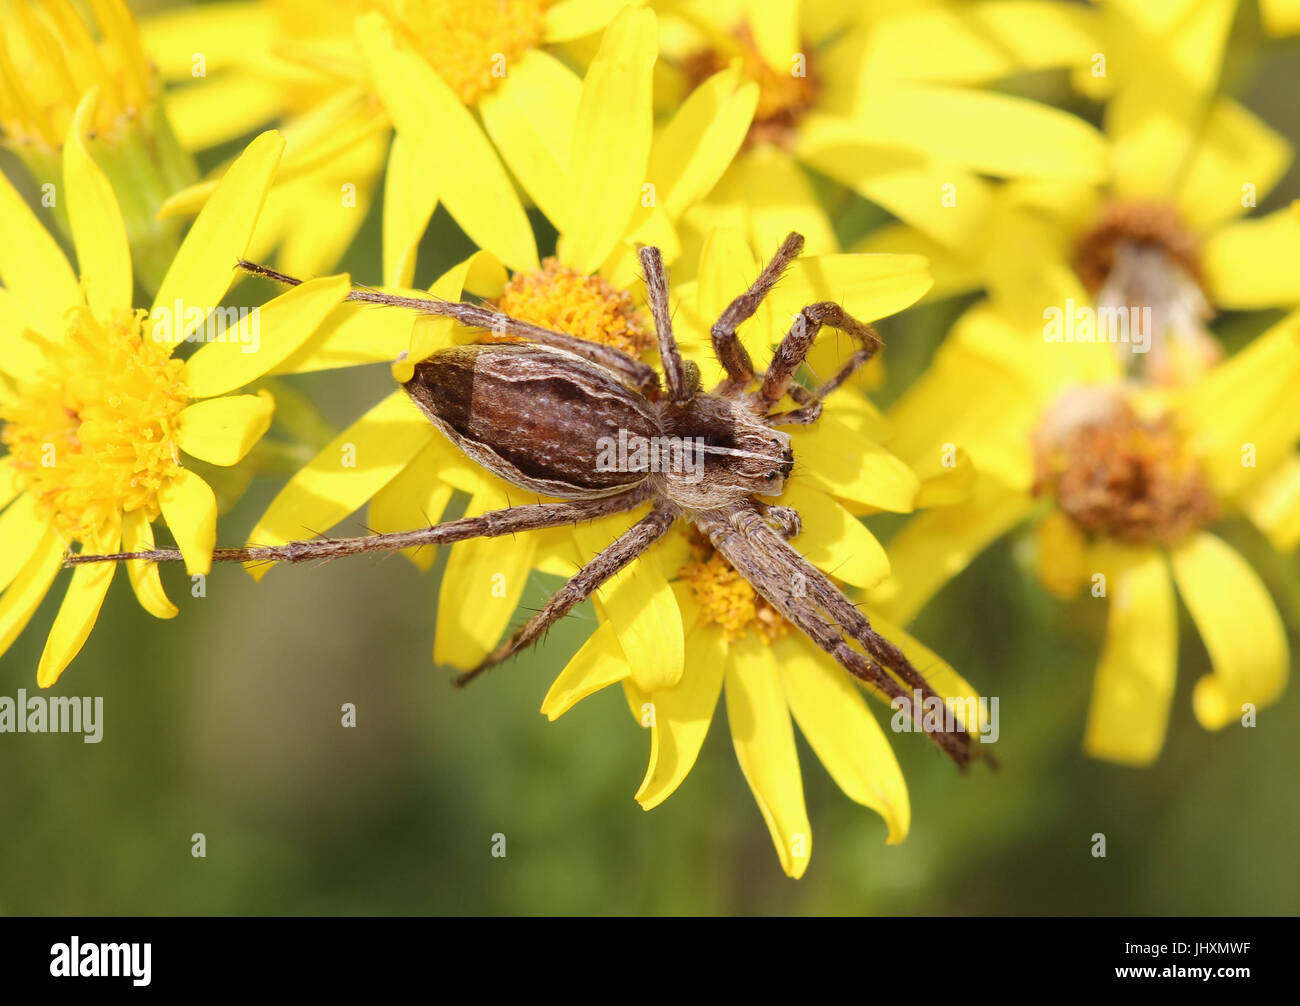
632 543
634 372
773 568
730 351
656 285
799 340
493 524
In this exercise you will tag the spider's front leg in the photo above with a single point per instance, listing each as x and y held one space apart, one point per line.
794 349
614 557
493 524
805 597
727 346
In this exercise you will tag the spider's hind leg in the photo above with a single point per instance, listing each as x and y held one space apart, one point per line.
614 557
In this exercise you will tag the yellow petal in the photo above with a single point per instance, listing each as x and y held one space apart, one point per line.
1239 625
994 134
222 108
1280 17
530 118
1062 555
980 42
764 742
348 471
679 717
97 229
32 266
835 719
230 31
409 202
640 603
463 168
351 334
264 337
21 524
24 596
727 267
1250 264
765 194
943 200
611 140
775 24
849 465
415 498
204 266
481 589
566 20
933 547
1236 161
190 508
78 612
869 287
1135 677
1273 504
833 540
221 431
597 664
1241 415
701 139
137 536
1151 122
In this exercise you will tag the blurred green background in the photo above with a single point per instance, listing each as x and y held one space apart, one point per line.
226 721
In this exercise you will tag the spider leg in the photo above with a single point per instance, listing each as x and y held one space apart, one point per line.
656 285
799 340
637 374
632 543
493 524
818 608
727 346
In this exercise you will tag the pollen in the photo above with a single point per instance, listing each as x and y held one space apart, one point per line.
1119 476
93 435
784 95
727 600
472 44
574 303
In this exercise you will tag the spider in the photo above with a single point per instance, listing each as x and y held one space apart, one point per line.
534 411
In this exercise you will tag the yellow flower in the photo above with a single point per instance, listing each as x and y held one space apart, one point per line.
886 104
49 58
97 414
477 76
1187 168
1123 480
680 624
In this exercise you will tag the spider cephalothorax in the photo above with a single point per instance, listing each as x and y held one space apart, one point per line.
550 413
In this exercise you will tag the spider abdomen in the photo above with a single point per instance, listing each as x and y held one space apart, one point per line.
542 419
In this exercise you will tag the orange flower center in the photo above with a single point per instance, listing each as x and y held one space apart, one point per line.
785 95
1117 475
574 303
727 600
